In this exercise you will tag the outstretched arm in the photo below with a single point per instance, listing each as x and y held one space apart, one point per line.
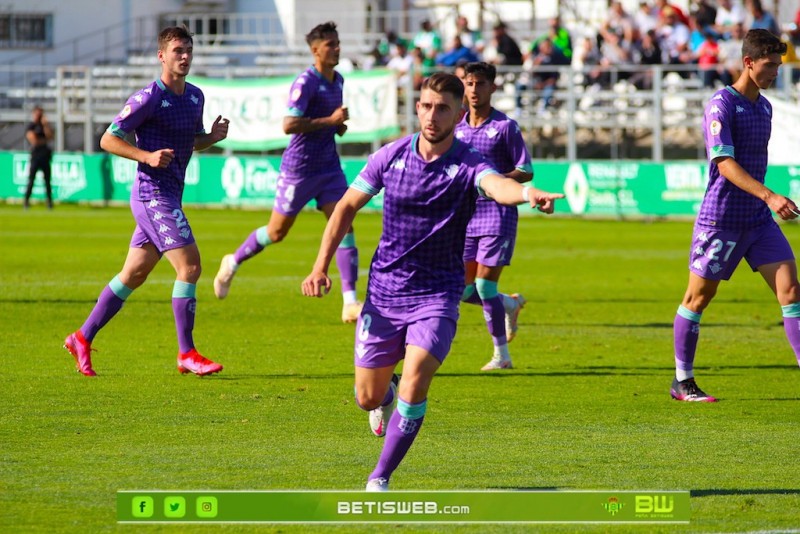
735 174
510 192
317 284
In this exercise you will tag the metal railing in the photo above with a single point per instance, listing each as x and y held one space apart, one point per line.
613 115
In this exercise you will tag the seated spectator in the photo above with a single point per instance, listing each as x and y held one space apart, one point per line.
705 14
457 52
402 63
507 50
558 35
762 19
728 16
663 5
674 38
428 40
730 51
619 23
545 79
387 46
587 59
645 19
646 52
423 67
708 62
472 39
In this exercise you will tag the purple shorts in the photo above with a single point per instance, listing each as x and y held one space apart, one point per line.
490 250
161 222
294 192
383 333
716 253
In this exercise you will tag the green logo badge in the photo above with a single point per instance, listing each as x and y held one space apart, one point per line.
174 507
207 507
142 506
613 506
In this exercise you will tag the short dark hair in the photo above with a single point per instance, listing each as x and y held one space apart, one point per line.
171 33
444 82
761 43
319 32
481 68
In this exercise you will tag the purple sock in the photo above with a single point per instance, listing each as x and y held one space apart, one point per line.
347 263
251 246
108 304
792 327
400 434
686 331
495 315
184 305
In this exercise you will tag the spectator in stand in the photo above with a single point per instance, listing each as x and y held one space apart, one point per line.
674 37
615 51
587 59
558 35
422 67
618 22
706 15
545 79
730 51
762 19
663 5
472 39
456 53
402 63
508 51
387 46
696 34
645 19
708 62
729 15
428 40
646 52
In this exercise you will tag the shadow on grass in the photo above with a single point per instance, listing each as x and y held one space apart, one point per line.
722 492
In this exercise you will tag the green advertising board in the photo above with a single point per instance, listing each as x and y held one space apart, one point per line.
593 188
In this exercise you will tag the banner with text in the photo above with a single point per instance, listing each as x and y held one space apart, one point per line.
256 108
606 189
403 507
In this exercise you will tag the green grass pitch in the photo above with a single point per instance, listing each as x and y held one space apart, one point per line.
586 407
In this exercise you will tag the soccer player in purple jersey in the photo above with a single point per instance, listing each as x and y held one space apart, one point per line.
735 221
492 231
167 118
430 182
310 167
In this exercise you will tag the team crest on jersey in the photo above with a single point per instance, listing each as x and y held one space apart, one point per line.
451 170
296 94
715 127
491 132
459 135
739 109
125 112
194 99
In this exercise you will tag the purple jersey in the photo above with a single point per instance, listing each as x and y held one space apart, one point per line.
736 127
161 119
313 153
426 208
499 139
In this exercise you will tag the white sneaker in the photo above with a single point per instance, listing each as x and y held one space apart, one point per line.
512 316
497 362
379 417
350 312
378 484
222 282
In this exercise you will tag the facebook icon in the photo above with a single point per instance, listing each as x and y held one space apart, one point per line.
142 507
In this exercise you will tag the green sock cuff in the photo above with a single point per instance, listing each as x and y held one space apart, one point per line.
262 237
119 289
468 292
689 314
411 411
349 241
184 290
486 288
792 310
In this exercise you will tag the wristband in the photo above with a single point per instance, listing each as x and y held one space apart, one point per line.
526 193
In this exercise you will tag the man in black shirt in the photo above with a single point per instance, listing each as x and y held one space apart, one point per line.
39 134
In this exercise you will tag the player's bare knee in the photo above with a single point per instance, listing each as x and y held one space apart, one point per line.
278 235
369 400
